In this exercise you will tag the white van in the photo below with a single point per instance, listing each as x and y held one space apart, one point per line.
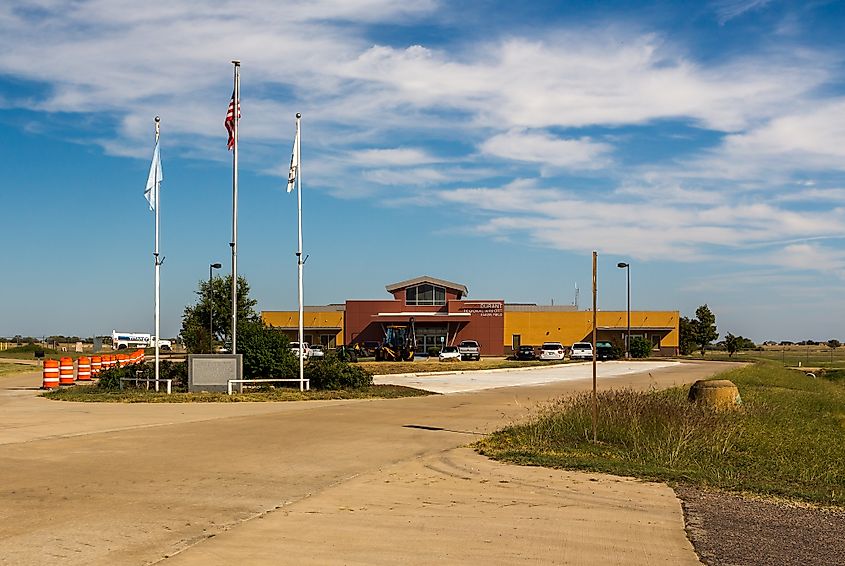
581 351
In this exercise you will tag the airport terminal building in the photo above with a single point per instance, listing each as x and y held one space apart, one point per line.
442 315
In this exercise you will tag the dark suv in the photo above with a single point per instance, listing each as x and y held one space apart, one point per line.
525 353
606 351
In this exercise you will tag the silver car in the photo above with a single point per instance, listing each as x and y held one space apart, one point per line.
581 351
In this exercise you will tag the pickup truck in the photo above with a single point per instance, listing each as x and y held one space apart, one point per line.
469 350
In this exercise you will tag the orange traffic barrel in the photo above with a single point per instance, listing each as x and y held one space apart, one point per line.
109 361
66 371
83 369
96 364
122 360
138 357
51 374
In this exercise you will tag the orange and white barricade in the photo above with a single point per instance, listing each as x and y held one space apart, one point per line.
66 371
96 364
51 374
83 369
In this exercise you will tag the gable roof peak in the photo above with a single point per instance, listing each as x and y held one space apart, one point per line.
392 288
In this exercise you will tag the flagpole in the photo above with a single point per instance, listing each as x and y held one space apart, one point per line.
299 260
234 242
157 261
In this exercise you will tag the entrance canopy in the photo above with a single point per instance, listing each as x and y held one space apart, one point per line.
422 317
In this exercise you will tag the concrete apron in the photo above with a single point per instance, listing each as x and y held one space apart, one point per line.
460 381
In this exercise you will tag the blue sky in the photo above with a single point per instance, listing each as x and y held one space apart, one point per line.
487 143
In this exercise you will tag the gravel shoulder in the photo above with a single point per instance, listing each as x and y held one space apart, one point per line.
730 529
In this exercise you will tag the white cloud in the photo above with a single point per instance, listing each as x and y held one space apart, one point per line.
727 10
406 177
810 257
392 156
645 229
542 148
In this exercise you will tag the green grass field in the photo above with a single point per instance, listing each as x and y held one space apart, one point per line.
12 368
789 356
787 439
28 353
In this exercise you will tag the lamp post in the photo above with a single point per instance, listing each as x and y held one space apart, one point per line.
211 308
627 268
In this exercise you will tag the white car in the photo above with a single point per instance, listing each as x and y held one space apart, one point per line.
306 350
316 351
581 351
449 354
552 351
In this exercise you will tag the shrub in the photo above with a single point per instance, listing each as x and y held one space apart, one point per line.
640 347
110 378
333 373
433 351
266 351
176 371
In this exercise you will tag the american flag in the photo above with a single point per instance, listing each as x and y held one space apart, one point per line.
230 120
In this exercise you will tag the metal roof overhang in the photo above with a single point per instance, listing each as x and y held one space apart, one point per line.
312 328
624 327
422 317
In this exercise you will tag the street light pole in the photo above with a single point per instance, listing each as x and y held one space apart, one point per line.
627 268
211 308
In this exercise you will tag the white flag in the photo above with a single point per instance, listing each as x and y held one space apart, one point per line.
294 160
154 179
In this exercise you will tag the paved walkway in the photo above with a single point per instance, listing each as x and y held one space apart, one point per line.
355 482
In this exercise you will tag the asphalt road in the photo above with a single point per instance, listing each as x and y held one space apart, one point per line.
132 484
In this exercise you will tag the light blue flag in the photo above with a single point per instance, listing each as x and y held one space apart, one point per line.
154 179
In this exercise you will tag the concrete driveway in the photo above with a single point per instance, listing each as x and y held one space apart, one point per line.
338 482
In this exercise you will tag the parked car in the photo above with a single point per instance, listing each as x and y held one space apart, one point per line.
525 353
306 350
552 351
449 354
606 351
316 351
470 350
581 351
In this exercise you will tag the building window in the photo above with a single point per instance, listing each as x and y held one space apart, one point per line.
327 340
425 295
655 341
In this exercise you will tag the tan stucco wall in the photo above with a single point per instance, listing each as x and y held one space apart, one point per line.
311 320
535 328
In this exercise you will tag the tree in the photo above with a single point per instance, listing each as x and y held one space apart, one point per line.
704 327
731 344
216 299
833 344
686 338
